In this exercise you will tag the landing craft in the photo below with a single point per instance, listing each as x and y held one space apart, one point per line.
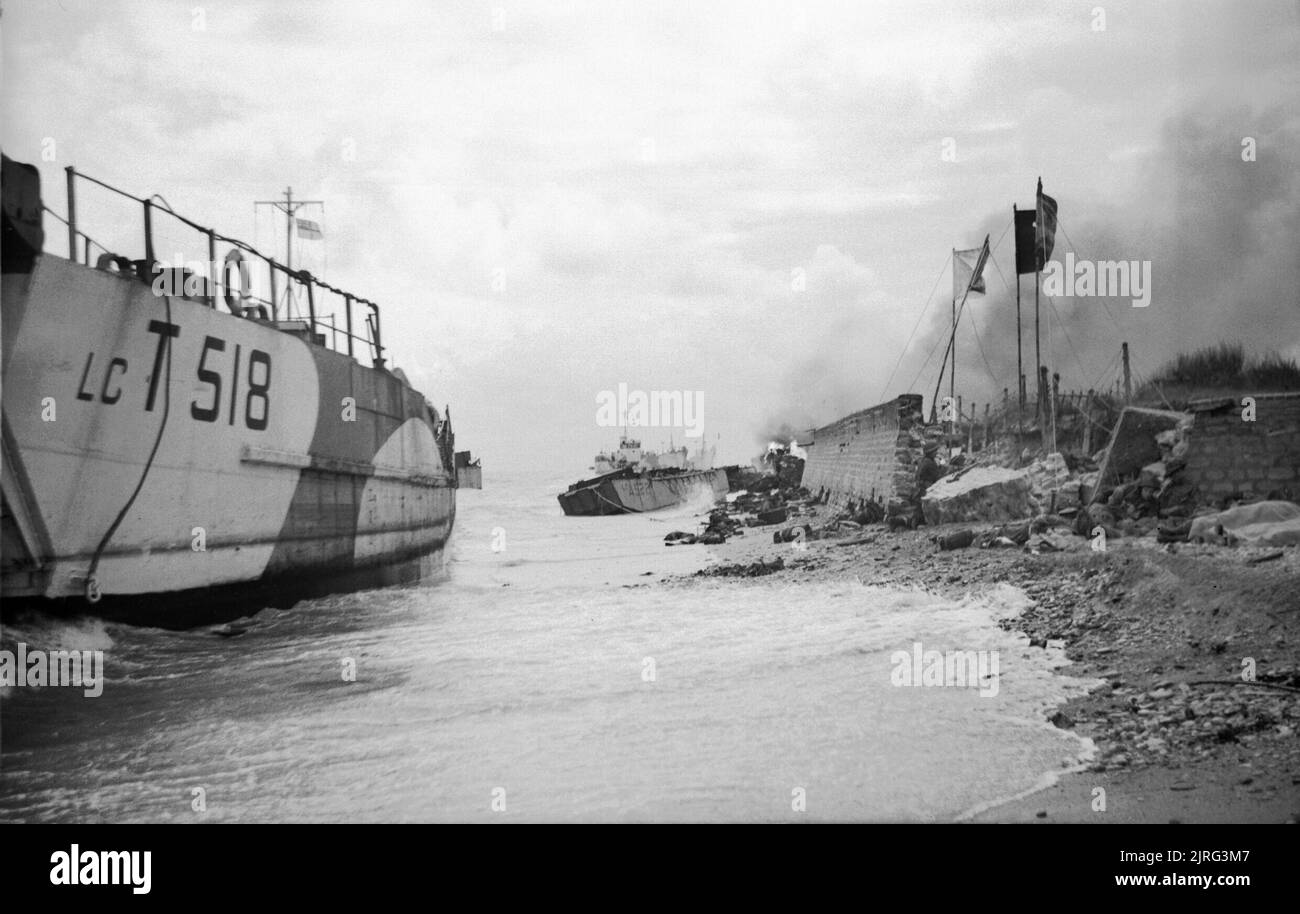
176 458
633 481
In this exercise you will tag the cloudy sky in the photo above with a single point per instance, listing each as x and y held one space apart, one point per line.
753 201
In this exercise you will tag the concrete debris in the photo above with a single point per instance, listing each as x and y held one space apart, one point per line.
979 494
1137 486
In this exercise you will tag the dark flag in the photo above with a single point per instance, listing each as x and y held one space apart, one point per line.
1025 241
1035 236
1046 226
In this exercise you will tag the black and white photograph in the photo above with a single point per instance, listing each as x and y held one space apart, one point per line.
650 413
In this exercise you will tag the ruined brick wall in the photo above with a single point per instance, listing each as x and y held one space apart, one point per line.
1227 455
870 455
1132 443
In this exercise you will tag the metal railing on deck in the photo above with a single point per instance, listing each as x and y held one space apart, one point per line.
239 300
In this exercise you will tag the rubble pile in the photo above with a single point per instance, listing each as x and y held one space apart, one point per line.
749 570
1054 485
1159 499
721 525
1137 486
768 504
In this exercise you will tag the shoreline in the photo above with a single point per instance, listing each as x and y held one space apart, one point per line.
1179 736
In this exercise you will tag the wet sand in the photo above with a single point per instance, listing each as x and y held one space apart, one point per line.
1181 736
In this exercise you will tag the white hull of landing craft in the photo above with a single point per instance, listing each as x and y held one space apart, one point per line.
239 487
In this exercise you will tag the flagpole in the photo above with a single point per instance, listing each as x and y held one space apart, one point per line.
952 369
947 351
1038 343
951 349
1020 368
952 343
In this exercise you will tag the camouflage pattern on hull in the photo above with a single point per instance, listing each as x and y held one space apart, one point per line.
258 457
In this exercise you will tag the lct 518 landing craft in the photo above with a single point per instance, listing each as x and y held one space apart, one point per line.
178 449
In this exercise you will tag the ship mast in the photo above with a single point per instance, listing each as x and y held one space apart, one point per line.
289 206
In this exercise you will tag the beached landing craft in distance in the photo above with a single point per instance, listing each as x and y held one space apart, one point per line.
181 449
633 481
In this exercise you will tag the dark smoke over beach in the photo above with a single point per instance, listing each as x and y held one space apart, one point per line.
1223 238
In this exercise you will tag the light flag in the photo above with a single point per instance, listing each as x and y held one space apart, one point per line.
968 270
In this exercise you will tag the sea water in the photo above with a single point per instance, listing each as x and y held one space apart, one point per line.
555 673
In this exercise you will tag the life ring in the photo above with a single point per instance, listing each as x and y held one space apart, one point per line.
233 302
107 261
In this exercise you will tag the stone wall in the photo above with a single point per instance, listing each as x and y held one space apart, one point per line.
1227 455
870 455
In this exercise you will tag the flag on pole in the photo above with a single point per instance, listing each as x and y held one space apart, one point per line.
1046 226
968 270
309 229
1025 260
1035 233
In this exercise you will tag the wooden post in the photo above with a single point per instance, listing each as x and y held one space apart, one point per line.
1056 406
1087 425
1002 419
1040 409
1128 379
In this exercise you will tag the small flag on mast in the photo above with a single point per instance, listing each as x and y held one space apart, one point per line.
309 229
968 269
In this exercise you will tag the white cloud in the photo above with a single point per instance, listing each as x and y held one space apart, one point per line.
644 177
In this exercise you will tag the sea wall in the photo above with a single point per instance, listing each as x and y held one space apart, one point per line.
1227 455
870 455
